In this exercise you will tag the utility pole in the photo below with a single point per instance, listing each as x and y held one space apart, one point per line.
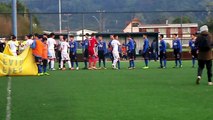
14 17
59 12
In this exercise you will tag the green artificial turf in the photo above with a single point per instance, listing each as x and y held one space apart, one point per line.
152 94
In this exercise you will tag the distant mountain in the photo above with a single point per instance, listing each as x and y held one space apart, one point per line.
114 22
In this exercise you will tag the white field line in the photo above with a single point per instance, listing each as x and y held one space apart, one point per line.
9 99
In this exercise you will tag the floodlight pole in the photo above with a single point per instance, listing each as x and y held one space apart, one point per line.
14 17
59 12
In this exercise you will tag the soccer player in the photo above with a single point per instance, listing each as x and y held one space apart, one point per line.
146 51
61 38
102 51
37 47
13 45
64 54
85 45
131 52
44 56
193 49
204 43
110 48
29 40
92 53
115 45
162 52
177 47
51 49
73 52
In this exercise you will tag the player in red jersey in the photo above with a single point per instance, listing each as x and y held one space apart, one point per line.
92 53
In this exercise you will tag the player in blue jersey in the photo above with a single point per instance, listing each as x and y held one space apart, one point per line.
73 52
145 51
177 48
85 44
131 52
102 50
162 52
193 49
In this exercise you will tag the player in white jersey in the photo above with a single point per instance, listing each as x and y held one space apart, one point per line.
13 45
64 53
51 49
115 45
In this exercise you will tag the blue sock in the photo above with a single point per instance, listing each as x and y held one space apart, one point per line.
193 61
133 63
85 63
164 63
176 62
72 64
104 63
161 63
119 67
39 68
146 62
130 63
180 62
76 63
45 68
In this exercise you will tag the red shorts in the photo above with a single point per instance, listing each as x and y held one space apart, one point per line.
91 52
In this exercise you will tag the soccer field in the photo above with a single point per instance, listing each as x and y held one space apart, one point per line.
152 94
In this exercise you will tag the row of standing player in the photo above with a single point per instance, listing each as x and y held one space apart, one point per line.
102 50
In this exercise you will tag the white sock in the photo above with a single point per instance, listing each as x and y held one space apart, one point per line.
62 64
69 64
52 64
115 62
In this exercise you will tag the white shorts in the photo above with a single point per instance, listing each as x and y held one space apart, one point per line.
65 56
116 55
51 54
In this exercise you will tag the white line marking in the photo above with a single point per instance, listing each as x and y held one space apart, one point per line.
9 99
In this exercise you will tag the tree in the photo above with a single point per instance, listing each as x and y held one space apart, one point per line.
184 19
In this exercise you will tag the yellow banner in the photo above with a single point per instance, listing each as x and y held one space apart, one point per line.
23 64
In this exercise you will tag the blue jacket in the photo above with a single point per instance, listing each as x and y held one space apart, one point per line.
131 45
73 46
102 46
146 46
177 45
85 44
162 46
192 45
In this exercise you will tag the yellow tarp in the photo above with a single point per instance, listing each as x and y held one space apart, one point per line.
23 64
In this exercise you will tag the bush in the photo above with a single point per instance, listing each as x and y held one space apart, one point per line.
168 45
